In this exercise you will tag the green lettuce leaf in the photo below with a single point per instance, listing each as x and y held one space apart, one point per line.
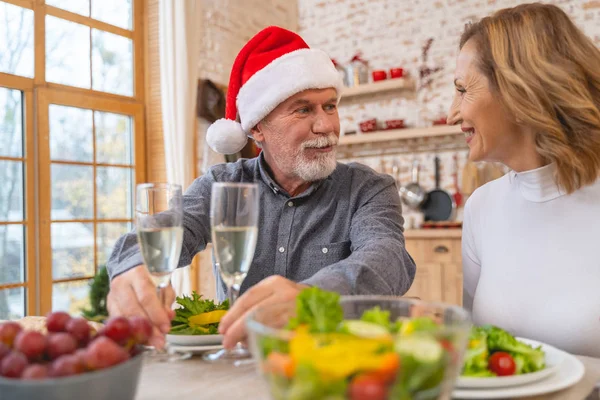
319 309
529 359
194 305
377 316
476 357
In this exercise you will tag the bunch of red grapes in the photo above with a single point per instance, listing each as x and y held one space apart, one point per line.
70 348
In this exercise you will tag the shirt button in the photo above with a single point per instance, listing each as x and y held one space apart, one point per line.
281 249
324 250
290 204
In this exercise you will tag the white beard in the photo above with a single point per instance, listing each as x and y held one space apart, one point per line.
314 170
322 166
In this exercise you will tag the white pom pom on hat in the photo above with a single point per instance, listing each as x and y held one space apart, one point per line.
273 66
226 136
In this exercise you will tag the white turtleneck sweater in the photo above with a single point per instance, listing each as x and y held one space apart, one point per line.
531 259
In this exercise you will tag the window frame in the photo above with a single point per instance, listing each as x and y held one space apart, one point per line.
25 85
47 97
38 95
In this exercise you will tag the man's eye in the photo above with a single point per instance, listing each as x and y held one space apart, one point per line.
330 107
303 110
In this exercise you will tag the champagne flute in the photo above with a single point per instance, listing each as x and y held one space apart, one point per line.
234 222
159 227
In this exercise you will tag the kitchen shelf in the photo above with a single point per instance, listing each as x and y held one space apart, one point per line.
401 141
399 134
387 85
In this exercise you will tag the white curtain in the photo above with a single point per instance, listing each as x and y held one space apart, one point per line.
178 84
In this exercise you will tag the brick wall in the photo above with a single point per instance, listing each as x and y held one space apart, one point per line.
226 25
391 33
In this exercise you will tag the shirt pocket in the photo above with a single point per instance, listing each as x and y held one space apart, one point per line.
323 255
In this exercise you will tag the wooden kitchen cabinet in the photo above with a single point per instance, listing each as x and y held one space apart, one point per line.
428 282
438 258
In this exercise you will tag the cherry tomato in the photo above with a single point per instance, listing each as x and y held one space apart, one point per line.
449 347
502 364
366 387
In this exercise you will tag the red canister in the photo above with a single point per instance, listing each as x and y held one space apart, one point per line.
397 72
379 75
368 126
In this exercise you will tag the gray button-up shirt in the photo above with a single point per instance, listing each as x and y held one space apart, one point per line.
344 233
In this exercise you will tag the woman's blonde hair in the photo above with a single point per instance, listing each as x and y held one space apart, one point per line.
547 73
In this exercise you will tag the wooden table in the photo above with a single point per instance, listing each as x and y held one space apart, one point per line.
195 379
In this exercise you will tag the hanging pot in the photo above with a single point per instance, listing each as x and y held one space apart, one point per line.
439 204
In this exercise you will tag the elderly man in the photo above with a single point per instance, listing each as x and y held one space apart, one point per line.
322 223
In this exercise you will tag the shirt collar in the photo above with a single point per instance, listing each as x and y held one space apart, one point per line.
537 185
274 186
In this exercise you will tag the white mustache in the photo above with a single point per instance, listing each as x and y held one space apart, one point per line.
321 141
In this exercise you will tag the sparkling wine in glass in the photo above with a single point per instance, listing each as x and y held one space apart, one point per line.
158 219
160 249
234 211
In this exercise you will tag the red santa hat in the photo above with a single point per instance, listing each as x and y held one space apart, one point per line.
273 66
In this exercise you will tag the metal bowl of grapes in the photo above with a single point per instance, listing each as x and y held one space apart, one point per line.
67 358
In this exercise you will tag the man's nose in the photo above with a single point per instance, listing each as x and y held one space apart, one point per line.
324 123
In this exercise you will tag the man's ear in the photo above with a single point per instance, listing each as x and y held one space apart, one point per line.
257 132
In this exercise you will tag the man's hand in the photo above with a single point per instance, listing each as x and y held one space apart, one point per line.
134 293
271 290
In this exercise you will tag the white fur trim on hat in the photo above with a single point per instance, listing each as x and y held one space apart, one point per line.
281 79
226 136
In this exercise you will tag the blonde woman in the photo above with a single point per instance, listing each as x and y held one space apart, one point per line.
528 95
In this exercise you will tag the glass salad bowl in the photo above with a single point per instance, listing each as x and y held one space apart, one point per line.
323 346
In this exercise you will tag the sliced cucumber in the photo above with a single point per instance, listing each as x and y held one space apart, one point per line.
364 329
422 349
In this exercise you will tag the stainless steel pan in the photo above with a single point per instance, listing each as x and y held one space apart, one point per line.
413 194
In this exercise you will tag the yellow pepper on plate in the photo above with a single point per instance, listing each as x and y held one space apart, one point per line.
206 318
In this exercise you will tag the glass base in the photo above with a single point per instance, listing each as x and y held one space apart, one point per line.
232 356
166 355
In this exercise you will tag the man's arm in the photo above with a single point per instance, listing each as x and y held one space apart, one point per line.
379 263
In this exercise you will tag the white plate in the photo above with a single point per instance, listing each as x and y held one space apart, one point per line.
195 349
554 358
195 340
569 372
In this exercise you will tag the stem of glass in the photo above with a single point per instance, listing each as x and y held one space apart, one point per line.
160 292
233 293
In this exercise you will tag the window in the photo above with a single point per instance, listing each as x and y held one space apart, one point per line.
16 43
89 148
64 203
16 227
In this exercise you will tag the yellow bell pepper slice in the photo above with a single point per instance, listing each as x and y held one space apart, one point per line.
207 318
338 356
